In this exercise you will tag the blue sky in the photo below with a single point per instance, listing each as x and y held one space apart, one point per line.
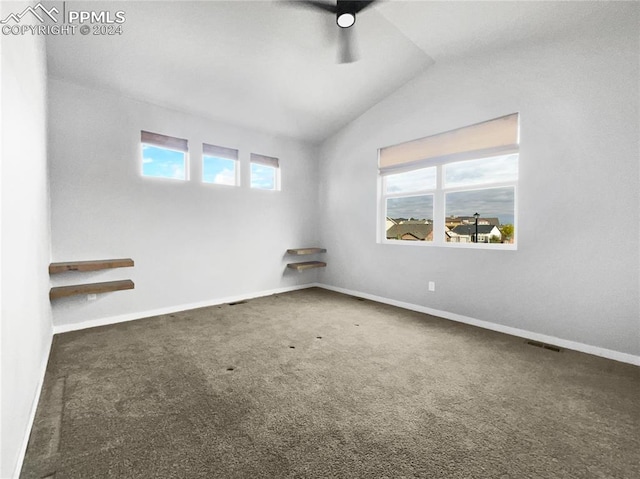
263 177
218 170
163 163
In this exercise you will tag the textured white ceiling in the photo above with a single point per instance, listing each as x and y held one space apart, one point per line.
270 66
448 29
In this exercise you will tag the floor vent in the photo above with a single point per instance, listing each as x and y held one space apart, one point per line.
538 344
237 302
552 348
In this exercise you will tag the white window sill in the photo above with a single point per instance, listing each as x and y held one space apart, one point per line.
431 244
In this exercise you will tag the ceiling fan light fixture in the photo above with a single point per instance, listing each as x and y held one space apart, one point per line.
346 19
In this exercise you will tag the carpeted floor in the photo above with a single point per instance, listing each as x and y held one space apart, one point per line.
318 384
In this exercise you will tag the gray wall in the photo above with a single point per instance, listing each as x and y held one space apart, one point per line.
192 243
25 314
575 273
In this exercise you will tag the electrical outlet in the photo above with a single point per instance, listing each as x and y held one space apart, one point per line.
432 285
92 297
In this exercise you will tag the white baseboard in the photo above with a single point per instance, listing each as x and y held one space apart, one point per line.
92 323
563 343
34 409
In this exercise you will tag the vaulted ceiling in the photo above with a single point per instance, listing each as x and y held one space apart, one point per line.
271 66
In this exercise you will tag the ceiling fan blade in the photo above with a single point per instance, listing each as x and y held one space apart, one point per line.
360 5
353 6
327 7
346 46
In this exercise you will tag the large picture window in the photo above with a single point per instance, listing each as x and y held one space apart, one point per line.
454 188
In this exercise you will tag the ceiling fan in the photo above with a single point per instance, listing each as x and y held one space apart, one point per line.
345 12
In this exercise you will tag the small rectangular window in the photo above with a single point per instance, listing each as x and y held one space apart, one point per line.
265 172
219 165
164 156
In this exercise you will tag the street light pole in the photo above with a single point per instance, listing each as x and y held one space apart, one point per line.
476 216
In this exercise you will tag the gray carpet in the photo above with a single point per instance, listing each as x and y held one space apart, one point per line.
326 385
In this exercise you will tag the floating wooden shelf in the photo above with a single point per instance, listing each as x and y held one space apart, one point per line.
306 265
306 251
92 288
90 265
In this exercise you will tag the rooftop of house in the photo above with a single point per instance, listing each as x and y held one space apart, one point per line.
469 230
418 230
471 219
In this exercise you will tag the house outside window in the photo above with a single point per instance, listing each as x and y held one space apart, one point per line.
408 204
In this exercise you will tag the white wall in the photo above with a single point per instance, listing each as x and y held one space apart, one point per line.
25 314
575 273
192 243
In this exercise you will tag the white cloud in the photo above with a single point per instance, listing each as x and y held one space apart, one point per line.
178 172
225 177
147 160
421 179
487 170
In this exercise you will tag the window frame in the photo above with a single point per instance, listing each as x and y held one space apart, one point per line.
263 160
490 138
407 194
164 142
236 162
439 204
